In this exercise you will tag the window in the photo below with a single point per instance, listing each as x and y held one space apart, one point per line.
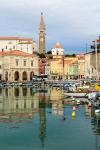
17 62
57 52
14 47
27 47
10 42
24 62
92 70
32 63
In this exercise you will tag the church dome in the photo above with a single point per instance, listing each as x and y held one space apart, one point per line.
58 45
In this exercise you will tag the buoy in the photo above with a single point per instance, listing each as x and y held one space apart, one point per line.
73 114
74 108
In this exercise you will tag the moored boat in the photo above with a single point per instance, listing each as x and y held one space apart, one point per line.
77 95
97 112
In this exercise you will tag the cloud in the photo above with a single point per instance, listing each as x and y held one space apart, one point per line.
71 22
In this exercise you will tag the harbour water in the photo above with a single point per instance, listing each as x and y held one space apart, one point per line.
37 118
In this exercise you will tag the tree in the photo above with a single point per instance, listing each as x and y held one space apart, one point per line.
49 52
70 55
42 55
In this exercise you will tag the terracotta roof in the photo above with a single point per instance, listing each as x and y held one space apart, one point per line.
58 45
27 42
67 60
15 38
16 53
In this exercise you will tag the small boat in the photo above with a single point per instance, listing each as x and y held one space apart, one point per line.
78 102
97 112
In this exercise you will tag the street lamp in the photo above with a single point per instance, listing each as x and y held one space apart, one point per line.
96 57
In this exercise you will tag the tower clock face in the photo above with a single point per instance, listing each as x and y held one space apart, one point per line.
41 39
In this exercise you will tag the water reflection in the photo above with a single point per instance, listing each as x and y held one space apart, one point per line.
42 116
23 105
19 104
18 100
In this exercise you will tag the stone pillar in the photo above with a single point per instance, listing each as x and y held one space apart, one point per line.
28 75
20 76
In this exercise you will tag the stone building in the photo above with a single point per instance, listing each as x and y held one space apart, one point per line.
18 66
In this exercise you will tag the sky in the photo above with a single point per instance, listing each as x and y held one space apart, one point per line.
73 23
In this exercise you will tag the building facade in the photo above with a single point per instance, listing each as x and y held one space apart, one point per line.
92 65
57 50
16 43
18 66
81 66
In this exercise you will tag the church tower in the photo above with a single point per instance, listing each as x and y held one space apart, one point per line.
42 30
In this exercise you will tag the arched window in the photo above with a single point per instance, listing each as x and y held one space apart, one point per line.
16 76
31 75
24 75
6 76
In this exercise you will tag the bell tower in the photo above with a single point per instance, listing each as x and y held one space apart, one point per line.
42 34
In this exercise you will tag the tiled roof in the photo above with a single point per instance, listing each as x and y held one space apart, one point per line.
16 53
15 38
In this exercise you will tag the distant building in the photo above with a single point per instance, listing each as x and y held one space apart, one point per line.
47 69
57 51
81 66
18 66
92 70
16 43
42 34
41 66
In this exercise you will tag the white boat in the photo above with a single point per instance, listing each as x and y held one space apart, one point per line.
91 95
77 95
97 112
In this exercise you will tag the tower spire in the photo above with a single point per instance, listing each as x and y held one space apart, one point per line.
42 35
42 24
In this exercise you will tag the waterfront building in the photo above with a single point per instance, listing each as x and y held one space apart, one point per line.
42 66
81 66
47 69
18 66
71 67
42 34
55 70
57 63
27 45
66 67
